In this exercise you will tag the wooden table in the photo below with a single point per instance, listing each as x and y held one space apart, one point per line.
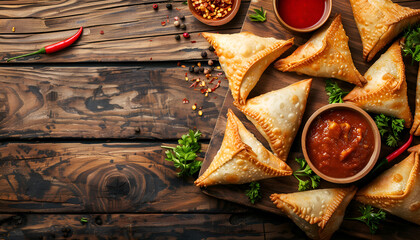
81 129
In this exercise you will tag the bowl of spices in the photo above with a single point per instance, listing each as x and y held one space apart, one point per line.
214 12
341 143
302 15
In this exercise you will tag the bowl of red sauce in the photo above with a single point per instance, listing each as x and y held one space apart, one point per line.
302 15
214 12
341 143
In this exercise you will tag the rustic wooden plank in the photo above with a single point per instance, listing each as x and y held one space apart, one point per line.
127 35
105 102
317 98
56 9
146 226
247 225
100 177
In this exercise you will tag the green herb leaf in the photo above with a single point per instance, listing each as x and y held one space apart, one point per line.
185 3
390 129
334 92
183 156
253 192
259 15
306 171
371 218
83 220
412 43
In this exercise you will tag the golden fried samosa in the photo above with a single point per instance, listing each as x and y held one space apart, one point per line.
241 158
397 190
319 213
386 90
244 57
380 21
415 130
326 54
277 115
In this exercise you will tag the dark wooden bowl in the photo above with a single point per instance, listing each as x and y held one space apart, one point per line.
235 7
377 144
324 18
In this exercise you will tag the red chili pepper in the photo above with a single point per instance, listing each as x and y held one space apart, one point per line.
385 162
53 47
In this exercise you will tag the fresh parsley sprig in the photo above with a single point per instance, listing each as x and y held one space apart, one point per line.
259 15
334 92
253 192
185 153
411 45
371 218
389 128
306 171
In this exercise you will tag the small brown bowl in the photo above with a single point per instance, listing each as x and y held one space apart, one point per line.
324 18
235 7
376 150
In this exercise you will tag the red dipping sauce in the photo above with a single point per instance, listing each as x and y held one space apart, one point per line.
340 143
301 13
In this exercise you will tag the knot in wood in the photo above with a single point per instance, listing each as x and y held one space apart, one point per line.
117 187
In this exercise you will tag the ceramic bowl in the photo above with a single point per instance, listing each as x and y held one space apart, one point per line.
324 18
376 150
235 7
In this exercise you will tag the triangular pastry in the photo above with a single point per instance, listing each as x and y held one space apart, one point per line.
241 159
326 54
386 90
415 130
244 57
277 115
380 21
319 213
397 190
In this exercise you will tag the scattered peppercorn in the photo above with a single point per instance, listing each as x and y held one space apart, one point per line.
182 18
191 69
203 54
176 23
177 37
210 62
183 26
211 49
176 18
201 69
196 69
102 32
155 6
186 35
169 6
206 71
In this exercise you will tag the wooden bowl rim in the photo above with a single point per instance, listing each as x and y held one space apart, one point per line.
321 21
377 142
235 8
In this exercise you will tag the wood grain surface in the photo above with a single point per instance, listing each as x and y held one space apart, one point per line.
105 102
273 79
114 31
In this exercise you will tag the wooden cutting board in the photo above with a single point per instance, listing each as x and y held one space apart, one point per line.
273 79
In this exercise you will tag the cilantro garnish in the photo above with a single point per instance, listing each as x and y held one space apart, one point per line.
306 171
253 192
334 92
411 45
389 128
371 218
185 153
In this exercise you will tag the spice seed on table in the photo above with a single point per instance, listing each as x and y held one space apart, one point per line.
155 6
176 23
177 37
186 35
203 54
211 49
183 26
169 6
182 18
